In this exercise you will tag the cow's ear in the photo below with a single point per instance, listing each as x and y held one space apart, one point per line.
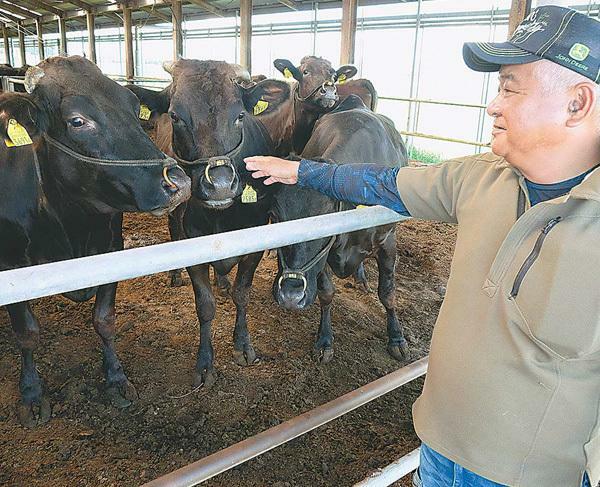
22 121
287 69
156 101
265 96
345 72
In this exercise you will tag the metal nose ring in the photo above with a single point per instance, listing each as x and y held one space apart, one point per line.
166 177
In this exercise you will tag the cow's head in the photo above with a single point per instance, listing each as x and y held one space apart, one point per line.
209 105
316 79
295 285
89 127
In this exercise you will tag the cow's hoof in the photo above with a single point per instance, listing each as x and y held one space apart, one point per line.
399 351
324 355
205 379
245 357
176 279
121 395
35 413
364 287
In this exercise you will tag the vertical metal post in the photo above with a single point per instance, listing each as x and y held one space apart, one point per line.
315 26
91 30
176 17
6 45
246 34
237 36
21 34
519 9
129 69
349 10
40 38
62 36
412 73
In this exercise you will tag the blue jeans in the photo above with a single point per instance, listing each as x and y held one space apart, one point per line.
436 470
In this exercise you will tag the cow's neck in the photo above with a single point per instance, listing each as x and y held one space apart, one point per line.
305 116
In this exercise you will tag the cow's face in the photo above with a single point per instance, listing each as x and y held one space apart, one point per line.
293 290
208 104
72 102
316 79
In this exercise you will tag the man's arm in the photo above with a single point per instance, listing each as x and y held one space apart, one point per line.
366 184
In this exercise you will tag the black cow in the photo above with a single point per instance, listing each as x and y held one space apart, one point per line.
290 123
351 133
210 132
8 70
76 157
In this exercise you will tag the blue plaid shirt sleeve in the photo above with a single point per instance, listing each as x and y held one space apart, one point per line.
361 184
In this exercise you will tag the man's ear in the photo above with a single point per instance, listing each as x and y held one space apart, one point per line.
22 121
583 104
288 69
266 95
156 101
345 72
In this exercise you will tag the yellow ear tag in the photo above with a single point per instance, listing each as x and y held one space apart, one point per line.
359 207
145 112
249 195
341 79
287 73
17 134
261 106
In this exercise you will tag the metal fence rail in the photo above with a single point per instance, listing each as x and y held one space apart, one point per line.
69 275
219 462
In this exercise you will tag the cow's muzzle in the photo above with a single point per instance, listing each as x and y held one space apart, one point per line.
219 183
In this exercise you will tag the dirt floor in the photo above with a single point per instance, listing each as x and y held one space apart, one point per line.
88 442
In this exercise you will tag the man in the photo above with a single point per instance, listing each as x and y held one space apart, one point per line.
512 395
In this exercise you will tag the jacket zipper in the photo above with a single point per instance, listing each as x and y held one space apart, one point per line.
531 258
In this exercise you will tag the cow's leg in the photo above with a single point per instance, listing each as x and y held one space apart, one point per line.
360 278
325 291
222 283
119 390
175 233
33 408
205 309
243 352
386 261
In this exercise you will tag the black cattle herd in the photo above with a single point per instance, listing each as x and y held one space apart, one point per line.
77 157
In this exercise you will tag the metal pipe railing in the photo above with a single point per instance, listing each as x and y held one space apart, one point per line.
245 450
393 472
446 139
37 281
433 102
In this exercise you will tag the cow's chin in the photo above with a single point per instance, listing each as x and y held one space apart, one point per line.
218 204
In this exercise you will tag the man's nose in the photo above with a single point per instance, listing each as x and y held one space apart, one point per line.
493 108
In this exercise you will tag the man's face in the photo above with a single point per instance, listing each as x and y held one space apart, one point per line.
529 117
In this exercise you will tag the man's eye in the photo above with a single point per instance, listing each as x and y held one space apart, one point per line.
76 122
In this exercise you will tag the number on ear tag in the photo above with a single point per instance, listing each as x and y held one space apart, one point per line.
287 73
145 112
261 106
17 134
341 79
249 195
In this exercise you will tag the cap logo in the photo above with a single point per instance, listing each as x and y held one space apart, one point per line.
579 51
530 26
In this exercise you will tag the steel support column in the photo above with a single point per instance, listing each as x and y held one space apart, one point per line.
40 38
21 35
91 31
6 45
519 9
349 12
62 36
246 34
129 69
177 17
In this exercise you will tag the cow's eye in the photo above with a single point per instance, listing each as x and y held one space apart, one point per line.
174 116
241 116
76 122
305 72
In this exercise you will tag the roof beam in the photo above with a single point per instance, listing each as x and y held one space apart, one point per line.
12 19
159 15
44 6
208 7
28 14
289 3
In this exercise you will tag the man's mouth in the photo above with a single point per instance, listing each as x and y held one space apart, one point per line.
497 129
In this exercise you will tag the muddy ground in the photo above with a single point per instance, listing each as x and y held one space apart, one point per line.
88 442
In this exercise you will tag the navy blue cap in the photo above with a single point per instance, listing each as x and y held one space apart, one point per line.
561 35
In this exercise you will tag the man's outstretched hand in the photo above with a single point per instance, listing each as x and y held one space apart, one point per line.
276 170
